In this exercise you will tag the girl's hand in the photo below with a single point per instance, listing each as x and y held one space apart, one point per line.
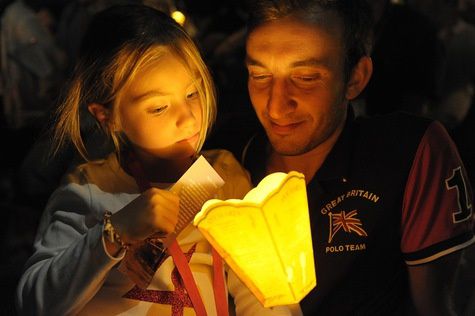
154 210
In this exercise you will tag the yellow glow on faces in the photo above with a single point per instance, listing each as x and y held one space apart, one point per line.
296 83
160 110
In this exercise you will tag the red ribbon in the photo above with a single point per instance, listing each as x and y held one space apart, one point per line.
181 263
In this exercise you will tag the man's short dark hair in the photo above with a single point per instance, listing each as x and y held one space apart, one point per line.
355 15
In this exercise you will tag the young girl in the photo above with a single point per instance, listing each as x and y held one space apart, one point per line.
142 78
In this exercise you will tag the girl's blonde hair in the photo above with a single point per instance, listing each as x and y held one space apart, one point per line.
120 42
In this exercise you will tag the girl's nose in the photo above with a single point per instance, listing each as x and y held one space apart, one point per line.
185 116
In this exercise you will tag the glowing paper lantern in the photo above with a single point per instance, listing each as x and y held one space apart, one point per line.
265 238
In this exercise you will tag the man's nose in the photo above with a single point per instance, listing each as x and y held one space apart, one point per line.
280 103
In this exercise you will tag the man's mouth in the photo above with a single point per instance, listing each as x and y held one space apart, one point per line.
284 128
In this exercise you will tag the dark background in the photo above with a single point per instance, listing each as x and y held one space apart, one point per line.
405 56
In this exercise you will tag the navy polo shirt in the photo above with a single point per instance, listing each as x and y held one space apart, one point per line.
392 192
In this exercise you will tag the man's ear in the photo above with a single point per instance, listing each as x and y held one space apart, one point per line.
100 112
359 77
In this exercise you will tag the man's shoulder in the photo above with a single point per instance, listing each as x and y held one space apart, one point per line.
395 129
388 143
254 155
396 121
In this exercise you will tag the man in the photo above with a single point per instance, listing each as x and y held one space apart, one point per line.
32 64
390 207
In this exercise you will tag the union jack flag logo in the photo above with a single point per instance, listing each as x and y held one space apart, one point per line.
347 221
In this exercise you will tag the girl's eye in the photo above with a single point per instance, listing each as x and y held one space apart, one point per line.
192 95
158 109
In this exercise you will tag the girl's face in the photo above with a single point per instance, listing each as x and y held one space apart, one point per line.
160 111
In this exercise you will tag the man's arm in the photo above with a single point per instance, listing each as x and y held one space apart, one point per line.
433 285
437 225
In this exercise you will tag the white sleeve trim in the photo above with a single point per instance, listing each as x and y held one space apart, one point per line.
441 254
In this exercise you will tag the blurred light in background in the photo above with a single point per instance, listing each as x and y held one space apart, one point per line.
179 17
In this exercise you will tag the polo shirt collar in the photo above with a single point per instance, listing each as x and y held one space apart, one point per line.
335 167
337 164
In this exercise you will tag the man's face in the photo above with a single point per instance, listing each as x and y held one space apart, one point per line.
296 82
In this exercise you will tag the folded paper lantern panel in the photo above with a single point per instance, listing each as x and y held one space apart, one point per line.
265 238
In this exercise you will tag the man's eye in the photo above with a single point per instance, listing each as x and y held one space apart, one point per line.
307 79
158 109
260 78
